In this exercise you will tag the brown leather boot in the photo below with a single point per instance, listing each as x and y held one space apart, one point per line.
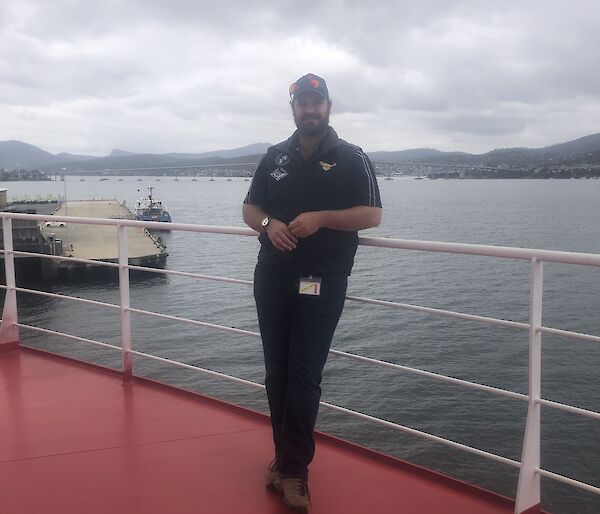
296 494
273 476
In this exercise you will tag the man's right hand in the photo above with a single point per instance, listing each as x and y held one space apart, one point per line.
280 236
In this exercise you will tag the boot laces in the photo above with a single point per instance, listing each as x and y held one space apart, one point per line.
302 487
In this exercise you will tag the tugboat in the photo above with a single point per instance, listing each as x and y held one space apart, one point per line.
149 209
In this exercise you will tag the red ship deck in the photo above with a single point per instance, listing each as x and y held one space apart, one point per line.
75 439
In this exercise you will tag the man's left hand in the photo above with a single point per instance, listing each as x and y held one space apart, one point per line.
306 224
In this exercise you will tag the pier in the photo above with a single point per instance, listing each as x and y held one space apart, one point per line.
79 241
100 243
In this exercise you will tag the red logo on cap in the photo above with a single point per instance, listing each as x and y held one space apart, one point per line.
314 83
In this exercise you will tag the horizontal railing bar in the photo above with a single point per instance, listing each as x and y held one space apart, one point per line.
431 310
399 367
425 435
470 317
434 376
66 297
335 407
584 259
156 225
342 409
493 390
568 333
569 408
575 483
192 275
65 258
380 421
194 322
197 368
68 336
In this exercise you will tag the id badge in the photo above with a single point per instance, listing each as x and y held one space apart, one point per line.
310 286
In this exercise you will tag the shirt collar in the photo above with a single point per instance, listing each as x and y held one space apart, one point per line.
329 141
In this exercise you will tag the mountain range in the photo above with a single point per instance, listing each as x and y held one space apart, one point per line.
20 155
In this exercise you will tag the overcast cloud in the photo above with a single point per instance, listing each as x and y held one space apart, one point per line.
191 75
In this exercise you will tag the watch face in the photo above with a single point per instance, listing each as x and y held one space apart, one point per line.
265 222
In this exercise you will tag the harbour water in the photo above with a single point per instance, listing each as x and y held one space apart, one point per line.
549 214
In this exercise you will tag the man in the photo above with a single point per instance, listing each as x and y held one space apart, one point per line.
309 196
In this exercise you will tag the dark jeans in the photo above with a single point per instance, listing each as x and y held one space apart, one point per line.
296 333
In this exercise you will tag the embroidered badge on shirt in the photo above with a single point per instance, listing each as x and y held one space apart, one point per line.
279 173
326 166
282 159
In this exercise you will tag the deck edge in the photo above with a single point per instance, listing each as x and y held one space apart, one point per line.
434 476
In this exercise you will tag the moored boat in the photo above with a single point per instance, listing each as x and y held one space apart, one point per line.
149 208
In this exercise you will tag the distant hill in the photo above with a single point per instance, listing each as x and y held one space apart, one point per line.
415 155
122 160
253 149
120 153
63 156
19 155
584 149
586 144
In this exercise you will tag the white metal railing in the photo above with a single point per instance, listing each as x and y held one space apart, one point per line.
528 492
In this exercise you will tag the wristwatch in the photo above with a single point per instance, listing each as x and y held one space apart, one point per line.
265 222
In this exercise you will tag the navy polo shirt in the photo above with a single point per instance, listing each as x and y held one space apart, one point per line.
337 176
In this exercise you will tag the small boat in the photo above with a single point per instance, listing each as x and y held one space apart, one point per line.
150 209
104 179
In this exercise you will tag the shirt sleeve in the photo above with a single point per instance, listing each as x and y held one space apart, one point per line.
257 193
364 188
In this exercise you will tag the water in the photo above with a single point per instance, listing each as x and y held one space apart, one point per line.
551 214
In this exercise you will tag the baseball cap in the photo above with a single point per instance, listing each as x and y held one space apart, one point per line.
309 82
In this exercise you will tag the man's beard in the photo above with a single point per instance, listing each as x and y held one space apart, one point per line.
312 130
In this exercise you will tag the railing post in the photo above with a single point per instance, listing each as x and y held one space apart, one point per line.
125 312
528 492
9 331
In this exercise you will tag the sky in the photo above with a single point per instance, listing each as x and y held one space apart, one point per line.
158 76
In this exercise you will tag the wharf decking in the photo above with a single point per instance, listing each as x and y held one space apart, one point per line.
75 438
97 242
